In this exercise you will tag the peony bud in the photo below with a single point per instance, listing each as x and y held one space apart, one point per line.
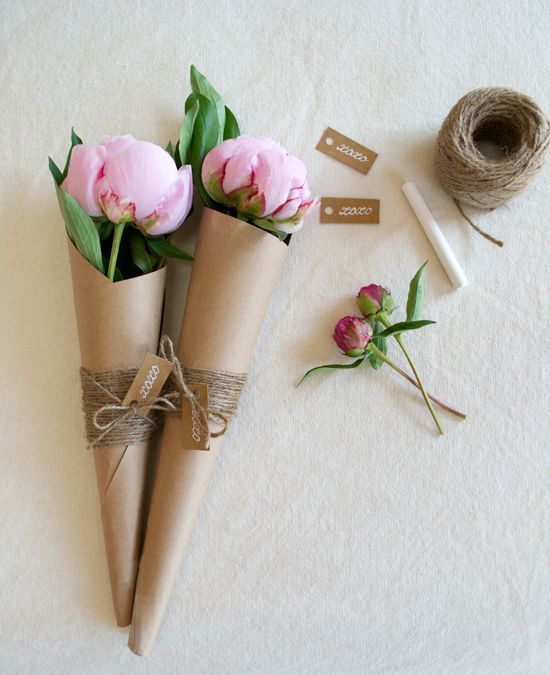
352 335
373 298
260 180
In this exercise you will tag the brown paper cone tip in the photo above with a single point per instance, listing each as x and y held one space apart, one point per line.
118 323
235 270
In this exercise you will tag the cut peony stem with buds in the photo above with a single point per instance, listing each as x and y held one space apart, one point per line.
365 338
372 348
383 317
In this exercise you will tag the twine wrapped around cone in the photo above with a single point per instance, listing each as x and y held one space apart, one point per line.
235 270
507 118
102 397
118 323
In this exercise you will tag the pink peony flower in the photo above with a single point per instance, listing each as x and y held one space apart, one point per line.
259 179
352 335
130 181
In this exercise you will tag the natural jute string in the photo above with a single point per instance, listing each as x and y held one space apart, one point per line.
109 423
511 120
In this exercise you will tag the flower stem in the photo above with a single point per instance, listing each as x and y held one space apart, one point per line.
397 369
383 317
117 236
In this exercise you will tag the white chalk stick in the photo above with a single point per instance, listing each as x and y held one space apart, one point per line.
435 236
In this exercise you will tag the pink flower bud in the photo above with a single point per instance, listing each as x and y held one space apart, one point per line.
259 179
352 335
373 298
130 181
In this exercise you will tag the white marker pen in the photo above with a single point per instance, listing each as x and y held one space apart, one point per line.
435 236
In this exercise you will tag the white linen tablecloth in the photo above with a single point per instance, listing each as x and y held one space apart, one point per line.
339 534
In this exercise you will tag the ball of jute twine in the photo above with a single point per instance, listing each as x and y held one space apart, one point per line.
109 422
507 118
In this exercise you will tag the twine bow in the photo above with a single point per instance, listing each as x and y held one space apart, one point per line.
118 413
204 415
110 422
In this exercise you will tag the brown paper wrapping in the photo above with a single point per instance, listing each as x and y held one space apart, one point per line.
235 270
118 323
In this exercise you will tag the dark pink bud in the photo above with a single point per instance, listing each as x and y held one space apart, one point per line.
372 298
352 335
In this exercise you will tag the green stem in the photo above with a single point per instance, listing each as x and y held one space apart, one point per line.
383 317
372 348
117 236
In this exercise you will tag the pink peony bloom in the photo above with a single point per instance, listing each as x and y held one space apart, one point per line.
130 181
259 179
352 335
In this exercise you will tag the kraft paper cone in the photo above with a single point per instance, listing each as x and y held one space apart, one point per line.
118 323
235 270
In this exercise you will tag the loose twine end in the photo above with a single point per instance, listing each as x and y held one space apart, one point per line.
488 236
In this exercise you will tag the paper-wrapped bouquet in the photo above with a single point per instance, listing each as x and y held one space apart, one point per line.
255 195
120 199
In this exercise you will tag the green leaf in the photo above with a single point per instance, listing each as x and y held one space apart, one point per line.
200 85
268 226
231 128
381 342
206 198
186 131
205 137
169 149
81 229
167 249
403 326
104 229
415 300
176 155
75 140
332 366
190 101
138 250
55 171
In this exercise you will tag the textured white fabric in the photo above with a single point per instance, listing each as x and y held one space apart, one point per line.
339 533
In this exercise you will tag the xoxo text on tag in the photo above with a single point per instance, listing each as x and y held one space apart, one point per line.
348 210
346 150
192 434
149 380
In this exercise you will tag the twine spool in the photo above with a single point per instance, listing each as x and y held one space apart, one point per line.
510 120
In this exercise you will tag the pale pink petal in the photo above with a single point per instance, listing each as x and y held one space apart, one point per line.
114 144
216 159
239 172
287 210
85 169
173 207
272 179
141 172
